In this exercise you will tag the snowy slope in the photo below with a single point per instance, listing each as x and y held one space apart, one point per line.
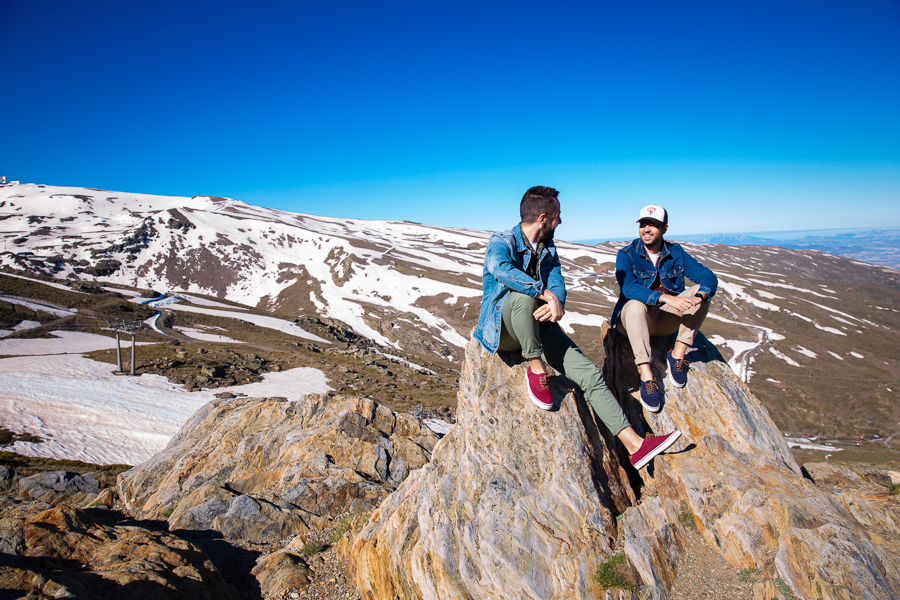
805 329
360 272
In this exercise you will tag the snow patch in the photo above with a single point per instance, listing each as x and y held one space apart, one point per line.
805 352
784 357
202 336
259 320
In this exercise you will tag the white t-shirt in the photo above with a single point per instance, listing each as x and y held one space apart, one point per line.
653 257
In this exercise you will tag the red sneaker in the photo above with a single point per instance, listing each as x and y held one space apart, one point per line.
652 446
538 389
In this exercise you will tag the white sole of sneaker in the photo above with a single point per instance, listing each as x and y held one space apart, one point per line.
537 402
647 406
673 437
672 379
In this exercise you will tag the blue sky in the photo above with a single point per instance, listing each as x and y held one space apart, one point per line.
755 116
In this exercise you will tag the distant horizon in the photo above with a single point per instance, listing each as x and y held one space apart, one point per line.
778 235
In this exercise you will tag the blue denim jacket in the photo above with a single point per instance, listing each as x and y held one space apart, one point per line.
635 274
504 271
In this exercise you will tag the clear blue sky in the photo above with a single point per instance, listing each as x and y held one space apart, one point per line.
753 116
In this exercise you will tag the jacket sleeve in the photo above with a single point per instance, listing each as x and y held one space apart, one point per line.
498 261
628 283
700 275
555 281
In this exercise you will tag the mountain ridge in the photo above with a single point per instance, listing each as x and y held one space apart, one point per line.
791 323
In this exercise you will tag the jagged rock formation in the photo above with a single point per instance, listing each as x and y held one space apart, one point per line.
262 468
515 503
63 552
733 475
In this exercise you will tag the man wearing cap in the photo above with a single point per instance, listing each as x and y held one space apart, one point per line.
653 300
524 299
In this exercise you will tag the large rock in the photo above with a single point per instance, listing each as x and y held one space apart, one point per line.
733 475
63 552
7 478
281 571
58 487
515 503
262 469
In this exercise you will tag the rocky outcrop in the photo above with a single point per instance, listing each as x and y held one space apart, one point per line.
58 487
733 476
515 503
63 552
258 469
518 503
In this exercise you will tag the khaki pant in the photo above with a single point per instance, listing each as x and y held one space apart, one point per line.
639 321
519 330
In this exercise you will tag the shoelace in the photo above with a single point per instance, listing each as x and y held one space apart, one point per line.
651 385
681 365
543 379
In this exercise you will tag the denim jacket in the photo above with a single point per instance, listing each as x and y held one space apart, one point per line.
504 271
635 274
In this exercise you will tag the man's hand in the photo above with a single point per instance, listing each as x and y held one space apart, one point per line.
552 311
679 303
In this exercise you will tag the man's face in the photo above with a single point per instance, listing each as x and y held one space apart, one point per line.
651 232
551 222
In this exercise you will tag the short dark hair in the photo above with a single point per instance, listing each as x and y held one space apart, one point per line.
537 201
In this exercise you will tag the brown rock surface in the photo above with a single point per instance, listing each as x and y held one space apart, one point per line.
733 476
280 571
263 469
515 503
62 552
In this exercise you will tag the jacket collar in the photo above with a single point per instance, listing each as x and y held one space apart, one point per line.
521 246
520 239
641 250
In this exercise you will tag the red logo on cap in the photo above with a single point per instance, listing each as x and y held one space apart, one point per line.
651 209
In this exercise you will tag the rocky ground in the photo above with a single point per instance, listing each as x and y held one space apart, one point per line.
702 573
352 367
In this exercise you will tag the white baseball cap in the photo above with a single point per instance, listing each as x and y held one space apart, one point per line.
654 212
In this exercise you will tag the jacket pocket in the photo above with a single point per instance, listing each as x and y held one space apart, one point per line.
643 274
672 277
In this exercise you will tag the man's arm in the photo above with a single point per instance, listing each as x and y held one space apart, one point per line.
498 260
554 295
628 283
700 275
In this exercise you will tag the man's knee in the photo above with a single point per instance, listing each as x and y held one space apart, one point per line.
521 301
634 307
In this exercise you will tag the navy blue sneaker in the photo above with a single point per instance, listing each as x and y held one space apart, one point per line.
677 370
650 395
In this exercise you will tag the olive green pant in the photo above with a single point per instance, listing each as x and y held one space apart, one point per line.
519 330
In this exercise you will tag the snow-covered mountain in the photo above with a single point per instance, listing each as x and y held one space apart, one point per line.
814 335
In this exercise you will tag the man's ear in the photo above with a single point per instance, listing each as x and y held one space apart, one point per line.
665 229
